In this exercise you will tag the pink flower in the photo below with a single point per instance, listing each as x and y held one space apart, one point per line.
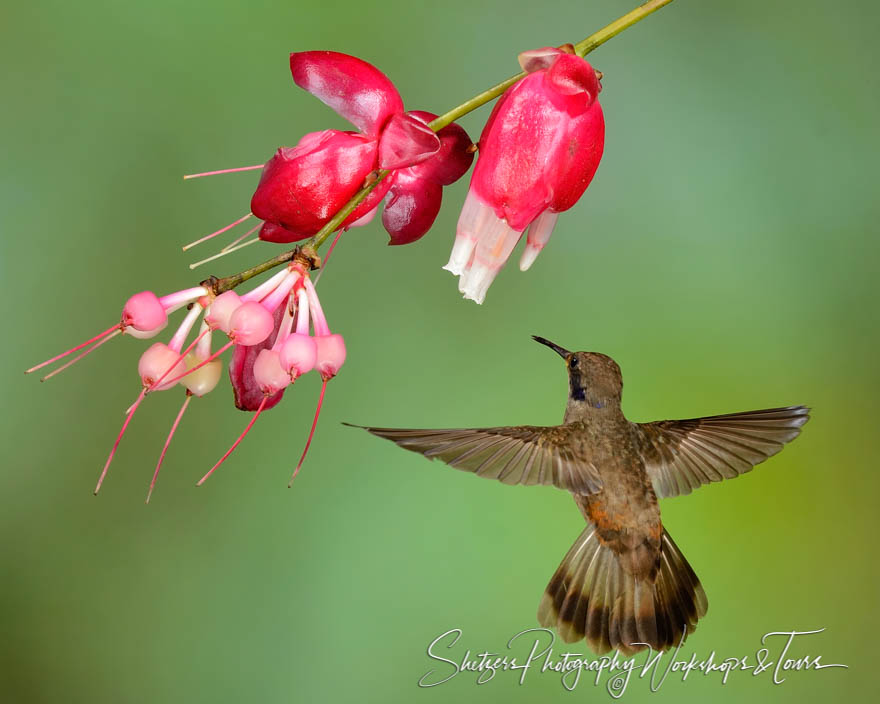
302 187
538 153
269 328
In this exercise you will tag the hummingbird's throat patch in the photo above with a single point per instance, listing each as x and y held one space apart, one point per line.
577 390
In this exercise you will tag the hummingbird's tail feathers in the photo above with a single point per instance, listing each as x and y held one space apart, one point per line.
678 593
593 597
681 455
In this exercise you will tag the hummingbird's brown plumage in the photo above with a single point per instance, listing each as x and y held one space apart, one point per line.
624 584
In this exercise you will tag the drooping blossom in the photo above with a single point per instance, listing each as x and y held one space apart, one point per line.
302 187
538 153
268 327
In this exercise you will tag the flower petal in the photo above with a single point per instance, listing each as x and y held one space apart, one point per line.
538 59
571 76
270 232
406 141
302 188
358 91
412 207
453 159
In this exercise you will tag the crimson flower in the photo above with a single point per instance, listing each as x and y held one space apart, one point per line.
302 187
538 153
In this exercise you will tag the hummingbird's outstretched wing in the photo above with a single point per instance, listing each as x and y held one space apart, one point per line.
681 455
525 454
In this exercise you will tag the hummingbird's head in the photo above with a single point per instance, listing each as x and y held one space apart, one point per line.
593 378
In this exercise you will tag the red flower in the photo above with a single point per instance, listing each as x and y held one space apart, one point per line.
302 187
538 153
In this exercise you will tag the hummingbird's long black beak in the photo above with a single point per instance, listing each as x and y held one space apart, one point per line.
561 351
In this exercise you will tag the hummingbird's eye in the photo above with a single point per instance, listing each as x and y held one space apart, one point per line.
572 362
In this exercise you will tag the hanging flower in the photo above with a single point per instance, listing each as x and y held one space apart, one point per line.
538 153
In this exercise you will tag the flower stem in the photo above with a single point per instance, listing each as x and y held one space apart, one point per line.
582 48
610 31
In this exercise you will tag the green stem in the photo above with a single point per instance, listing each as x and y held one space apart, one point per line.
583 48
227 283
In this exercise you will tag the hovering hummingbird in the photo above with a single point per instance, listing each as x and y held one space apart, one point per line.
624 584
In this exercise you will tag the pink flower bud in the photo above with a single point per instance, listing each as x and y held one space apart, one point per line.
330 355
155 363
221 309
298 354
247 392
204 379
250 324
144 313
269 375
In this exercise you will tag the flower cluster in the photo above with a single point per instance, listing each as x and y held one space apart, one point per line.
537 155
277 330
302 187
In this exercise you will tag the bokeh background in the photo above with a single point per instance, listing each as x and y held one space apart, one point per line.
726 255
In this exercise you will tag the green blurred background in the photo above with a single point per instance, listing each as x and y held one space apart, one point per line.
725 255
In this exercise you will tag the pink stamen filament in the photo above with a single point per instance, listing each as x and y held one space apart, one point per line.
187 177
167 443
201 364
240 238
179 299
236 443
176 342
264 289
311 434
80 355
318 320
327 257
217 232
128 418
74 349
194 265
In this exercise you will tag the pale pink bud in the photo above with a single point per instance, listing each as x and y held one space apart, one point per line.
330 356
155 363
204 379
250 324
269 374
221 310
298 354
144 313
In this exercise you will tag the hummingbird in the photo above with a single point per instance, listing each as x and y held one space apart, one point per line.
624 585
